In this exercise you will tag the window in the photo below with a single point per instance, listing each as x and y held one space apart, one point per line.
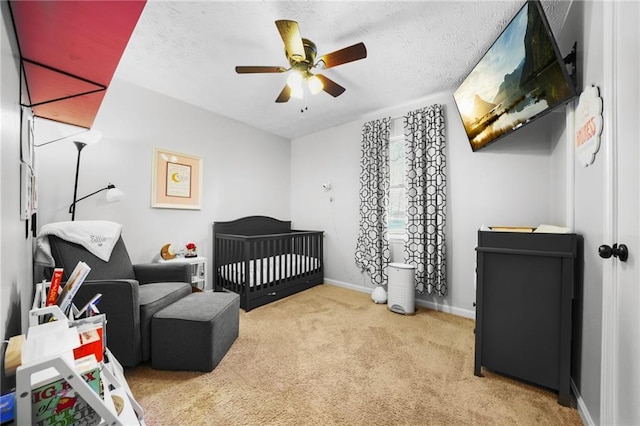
397 214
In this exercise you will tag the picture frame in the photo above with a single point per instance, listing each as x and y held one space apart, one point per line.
26 138
176 180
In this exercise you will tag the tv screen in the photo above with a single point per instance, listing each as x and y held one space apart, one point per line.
520 78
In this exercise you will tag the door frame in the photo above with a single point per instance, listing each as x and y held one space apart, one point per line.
609 341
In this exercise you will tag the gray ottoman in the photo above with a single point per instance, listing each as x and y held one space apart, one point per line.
195 332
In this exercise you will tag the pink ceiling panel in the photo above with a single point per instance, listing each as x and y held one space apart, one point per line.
46 84
85 39
79 111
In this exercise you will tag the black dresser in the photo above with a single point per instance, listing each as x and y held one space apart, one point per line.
526 284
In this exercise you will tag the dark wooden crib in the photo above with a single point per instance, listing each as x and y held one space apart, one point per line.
263 259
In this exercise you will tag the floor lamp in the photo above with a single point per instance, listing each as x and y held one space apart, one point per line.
113 193
72 208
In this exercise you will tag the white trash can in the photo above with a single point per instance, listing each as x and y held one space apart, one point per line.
401 289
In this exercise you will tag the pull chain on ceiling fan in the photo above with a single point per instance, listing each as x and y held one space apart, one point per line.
301 54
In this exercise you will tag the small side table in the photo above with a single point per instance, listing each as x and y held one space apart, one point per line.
198 269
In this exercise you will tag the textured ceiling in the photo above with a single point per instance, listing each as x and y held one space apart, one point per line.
188 50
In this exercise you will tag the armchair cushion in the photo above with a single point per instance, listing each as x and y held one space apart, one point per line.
153 298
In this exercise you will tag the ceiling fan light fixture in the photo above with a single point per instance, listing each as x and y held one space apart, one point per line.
301 54
294 81
315 85
297 92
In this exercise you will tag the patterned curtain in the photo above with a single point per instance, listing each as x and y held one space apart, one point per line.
426 198
372 248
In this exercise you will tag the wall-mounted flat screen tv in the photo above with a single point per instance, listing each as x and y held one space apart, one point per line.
520 78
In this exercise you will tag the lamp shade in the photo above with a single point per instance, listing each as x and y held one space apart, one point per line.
89 137
294 80
315 85
297 92
114 194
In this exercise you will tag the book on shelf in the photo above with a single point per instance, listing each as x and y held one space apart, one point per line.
90 308
7 407
70 289
525 229
55 402
91 335
54 288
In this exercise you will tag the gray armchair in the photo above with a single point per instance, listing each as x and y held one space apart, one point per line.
131 294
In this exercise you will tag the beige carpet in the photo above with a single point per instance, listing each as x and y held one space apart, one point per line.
331 356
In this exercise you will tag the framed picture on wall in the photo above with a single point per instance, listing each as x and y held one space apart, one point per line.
26 137
176 180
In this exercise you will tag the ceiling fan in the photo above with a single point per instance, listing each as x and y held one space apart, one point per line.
301 54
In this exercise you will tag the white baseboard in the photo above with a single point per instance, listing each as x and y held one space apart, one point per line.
582 408
466 313
348 285
423 303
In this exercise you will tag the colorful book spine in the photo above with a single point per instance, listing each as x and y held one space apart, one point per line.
91 343
70 289
54 289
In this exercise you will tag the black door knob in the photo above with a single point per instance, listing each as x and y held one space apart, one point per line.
621 252
604 251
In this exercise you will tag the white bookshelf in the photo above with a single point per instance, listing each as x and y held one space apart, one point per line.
51 358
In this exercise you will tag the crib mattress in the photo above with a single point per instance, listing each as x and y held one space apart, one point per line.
270 269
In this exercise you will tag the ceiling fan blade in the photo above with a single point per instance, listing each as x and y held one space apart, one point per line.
330 86
343 56
254 70
284 95
292 40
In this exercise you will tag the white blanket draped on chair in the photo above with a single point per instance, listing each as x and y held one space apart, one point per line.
97 236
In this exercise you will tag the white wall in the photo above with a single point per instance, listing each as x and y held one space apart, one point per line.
506 183
16 274
246 171
560 183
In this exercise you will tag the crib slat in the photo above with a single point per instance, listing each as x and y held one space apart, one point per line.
241 275
267 264
300 270
281 260
255 259
304 256
265 256
271 244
